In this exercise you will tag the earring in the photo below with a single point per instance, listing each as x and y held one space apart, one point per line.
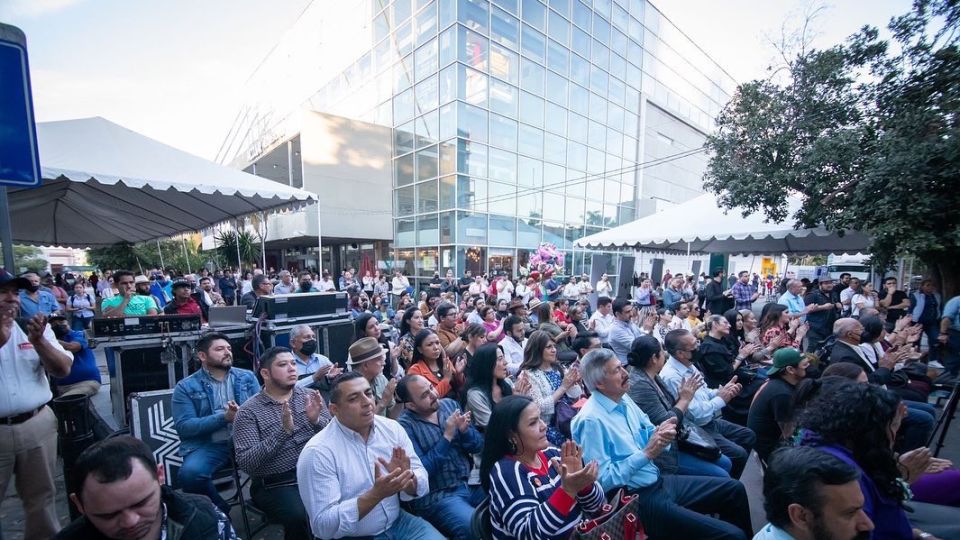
513 447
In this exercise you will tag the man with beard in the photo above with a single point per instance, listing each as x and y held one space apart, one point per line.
121 494
84 377
28 429
306 283
513 342
269 432
204 407
445 440
812 495
128 301
354 474
142 287
208 296
771 412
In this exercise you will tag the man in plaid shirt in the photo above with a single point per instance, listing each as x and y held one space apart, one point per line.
744 294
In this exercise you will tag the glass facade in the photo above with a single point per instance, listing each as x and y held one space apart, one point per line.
525 121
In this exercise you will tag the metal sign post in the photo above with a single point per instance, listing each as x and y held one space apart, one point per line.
19 157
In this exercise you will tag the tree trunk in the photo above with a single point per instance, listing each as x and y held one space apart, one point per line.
946 274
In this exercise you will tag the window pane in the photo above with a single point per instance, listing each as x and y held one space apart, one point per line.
503 98
427 97
427 23
557 116
552 206
534 13
448 121
556 88
427 196
426 59
530 172
577 127
403 106
405 201
581 14
473 86
473 14
563 6
598 80
532 76
503 132
504 64
503 230
598 108
597 137
557 57
471 158
473 49
533 44
448 192
554 148
472 122
580 41
448 45
403 166
530 141
559 28
528 230
502 198
531 109
404 38
448 84
510 5
471 228
579 99
601 54
505 29
400 10
428 128
428 165
403 139
447 227
579 70
574 213
406 232
503 166
576 155
427 230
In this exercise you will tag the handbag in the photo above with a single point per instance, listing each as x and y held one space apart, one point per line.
619 519
563 413
697 442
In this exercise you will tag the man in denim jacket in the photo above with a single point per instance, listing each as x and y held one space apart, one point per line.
204 406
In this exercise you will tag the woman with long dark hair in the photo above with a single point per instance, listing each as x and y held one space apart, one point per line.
367 325
487 383
775 322
430 362
411 323
536 491
475 335
548 383
858 423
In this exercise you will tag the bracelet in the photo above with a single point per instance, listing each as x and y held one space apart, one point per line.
924 534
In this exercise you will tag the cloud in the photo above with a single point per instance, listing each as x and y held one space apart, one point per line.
28 9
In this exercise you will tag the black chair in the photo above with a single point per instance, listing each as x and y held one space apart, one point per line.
241 481
480 523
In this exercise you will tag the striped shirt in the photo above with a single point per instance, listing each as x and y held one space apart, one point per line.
263 447
528 504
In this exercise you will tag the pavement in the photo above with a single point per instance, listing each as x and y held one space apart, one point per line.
11 510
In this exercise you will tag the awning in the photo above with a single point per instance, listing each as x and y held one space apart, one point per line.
701 225
104 184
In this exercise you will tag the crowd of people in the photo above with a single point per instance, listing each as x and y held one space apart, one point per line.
540 396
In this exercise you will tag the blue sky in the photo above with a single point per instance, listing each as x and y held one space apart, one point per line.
173 69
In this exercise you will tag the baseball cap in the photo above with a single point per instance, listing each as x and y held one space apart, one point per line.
9 280
181 283
784 358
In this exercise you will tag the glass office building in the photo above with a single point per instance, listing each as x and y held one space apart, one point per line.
515 122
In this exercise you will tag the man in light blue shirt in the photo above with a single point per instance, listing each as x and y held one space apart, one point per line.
314 370
35 299
704 410
949 336
793 299
810 494
623 331
615 433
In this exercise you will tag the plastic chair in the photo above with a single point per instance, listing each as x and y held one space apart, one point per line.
480 522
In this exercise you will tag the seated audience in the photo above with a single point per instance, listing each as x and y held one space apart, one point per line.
445 440
623 330
547 382
269 432
536 491
183 302
430 362
121 494
812 495
84 377
260 286
368 358
204 406
652 395
771 413
619 436
127 301
721 356
314 370
353 474
513 342
706 407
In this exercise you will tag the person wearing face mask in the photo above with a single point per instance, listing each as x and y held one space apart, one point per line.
314 370
84 377
306 283
35 300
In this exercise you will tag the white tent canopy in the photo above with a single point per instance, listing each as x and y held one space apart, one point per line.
104 183
701 225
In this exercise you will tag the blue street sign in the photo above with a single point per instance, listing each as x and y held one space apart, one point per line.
19 158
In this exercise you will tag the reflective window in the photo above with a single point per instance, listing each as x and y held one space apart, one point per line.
579 99
581 14
448 192
530 205
472 122
400 11
447 13
556 88
471 228
448 84
602 7
406 232
579 70
448 121
563 6
503 98
616 91
503 166
502 198
403 74
447 229
576 155
532 76
448 157
472 193
473 86
574 210
530 172
473 14
552 206
403 169
576 183
531 109
577 127
618 66
427 97
428 128
533 44
614 142
530 141
427 24
598 135
534 13
473 49
619 42
598 80
595 161
554 177
509 5
528 230
601 54
503 133
503 230
601 30
580 41
505 29
427 229
403 139
448 46
557 116
615 116
404 38
427 196
554 148
428 166
471 158
405 201
598 108
620 17
557 57
425 60
559 28
381 27
504 64
629 149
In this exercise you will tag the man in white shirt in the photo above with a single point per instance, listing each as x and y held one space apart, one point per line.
602 319
585 287
513 343
604 287
399 284
353 474
571 290
28 428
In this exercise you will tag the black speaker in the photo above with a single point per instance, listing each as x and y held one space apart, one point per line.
337 340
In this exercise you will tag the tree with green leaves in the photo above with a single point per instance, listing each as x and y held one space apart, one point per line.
865 132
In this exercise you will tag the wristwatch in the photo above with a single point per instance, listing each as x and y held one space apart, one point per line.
924 535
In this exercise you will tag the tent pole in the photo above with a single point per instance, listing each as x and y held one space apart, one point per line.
160 251
6 233
263 242
689 267
183 241
138 263
319 243
236 235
